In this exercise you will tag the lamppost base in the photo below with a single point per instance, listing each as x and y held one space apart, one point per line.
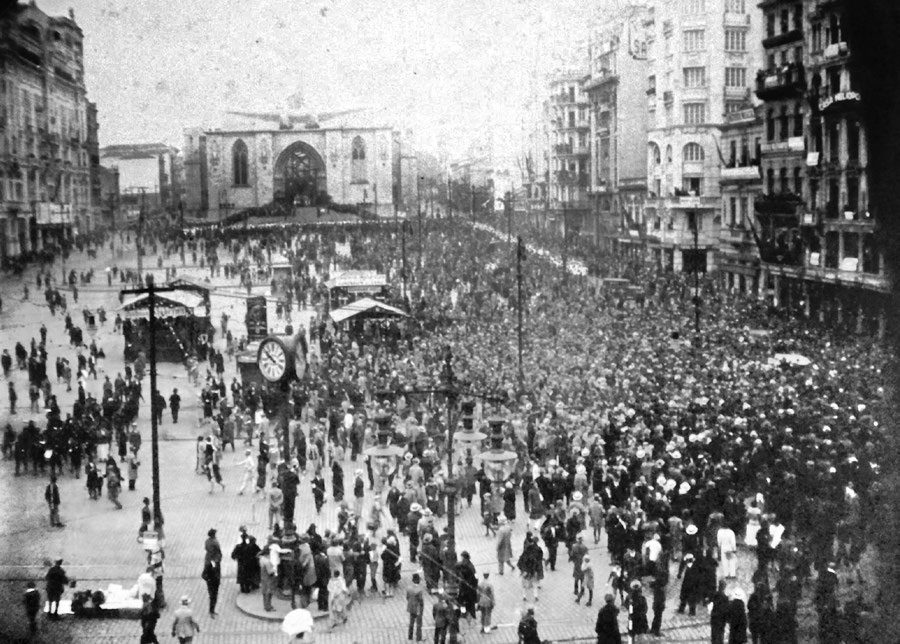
251 604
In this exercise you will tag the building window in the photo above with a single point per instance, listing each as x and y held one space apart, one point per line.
655 154
239 163
358 160
734 106
692 185
798 182
798 120
735 6
733 213
784 123
770 125
735 77
770 25
853 139
694 113
817 37
694 7
783 181
694 77
651 85
735 40
770 181
694 40
693 152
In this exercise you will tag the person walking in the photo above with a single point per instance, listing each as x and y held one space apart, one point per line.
266 579
528 629
149 617
415 606
212 575
113 486
51 495
56 586
440 612
276 501
658 585
486 602
185 627
32 600
587 581
504 544
175 405
607 626
338 599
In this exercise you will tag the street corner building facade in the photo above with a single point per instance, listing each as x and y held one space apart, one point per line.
49 161
232 170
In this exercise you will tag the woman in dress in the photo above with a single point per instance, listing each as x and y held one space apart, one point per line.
753 516
338 599
390 563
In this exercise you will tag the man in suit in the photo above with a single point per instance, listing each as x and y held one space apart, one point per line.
51 494
415 606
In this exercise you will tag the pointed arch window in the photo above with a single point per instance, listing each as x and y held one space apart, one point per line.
239 163
358 161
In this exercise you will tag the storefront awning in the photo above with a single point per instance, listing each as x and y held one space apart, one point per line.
170 304
367 308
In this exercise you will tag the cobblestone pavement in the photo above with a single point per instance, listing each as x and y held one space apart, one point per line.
99 543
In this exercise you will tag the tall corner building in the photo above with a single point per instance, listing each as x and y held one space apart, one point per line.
818 236
702 64
569 154
48 132
617 92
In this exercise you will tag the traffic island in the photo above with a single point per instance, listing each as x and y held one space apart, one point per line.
251 604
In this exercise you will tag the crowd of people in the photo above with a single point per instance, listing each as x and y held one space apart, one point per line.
683 448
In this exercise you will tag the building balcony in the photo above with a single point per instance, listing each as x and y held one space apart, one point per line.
600 78
740 174
784 82
793 145
836 52
838 102
778 205
564 177
741 116
692 203
814 272
736 235
736 19
578 124
574 151
784 38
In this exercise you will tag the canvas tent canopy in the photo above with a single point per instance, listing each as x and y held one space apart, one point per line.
170 304
366 308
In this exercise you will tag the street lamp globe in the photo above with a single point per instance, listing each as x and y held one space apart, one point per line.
498 462
469 439
383 455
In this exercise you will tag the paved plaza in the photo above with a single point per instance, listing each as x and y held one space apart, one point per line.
99 543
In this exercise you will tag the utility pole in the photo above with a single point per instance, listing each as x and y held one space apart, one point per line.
152 292
472 191
403 269
419 215
520 256
449 197
140 237
565 253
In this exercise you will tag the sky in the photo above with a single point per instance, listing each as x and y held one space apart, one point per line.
448 71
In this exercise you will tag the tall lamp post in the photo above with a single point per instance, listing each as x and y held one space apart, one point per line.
383 455
152 291
498 463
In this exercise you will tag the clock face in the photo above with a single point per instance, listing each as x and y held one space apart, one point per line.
300 358
272 360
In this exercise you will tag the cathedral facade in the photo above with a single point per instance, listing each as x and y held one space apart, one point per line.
227 171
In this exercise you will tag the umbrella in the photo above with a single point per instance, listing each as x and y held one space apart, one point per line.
297 621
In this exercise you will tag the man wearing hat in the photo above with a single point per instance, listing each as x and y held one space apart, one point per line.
412 524
691 586
184 627
440 612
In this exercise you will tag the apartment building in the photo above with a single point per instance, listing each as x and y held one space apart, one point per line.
616 91
47 132
569 155
819 247
701 66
